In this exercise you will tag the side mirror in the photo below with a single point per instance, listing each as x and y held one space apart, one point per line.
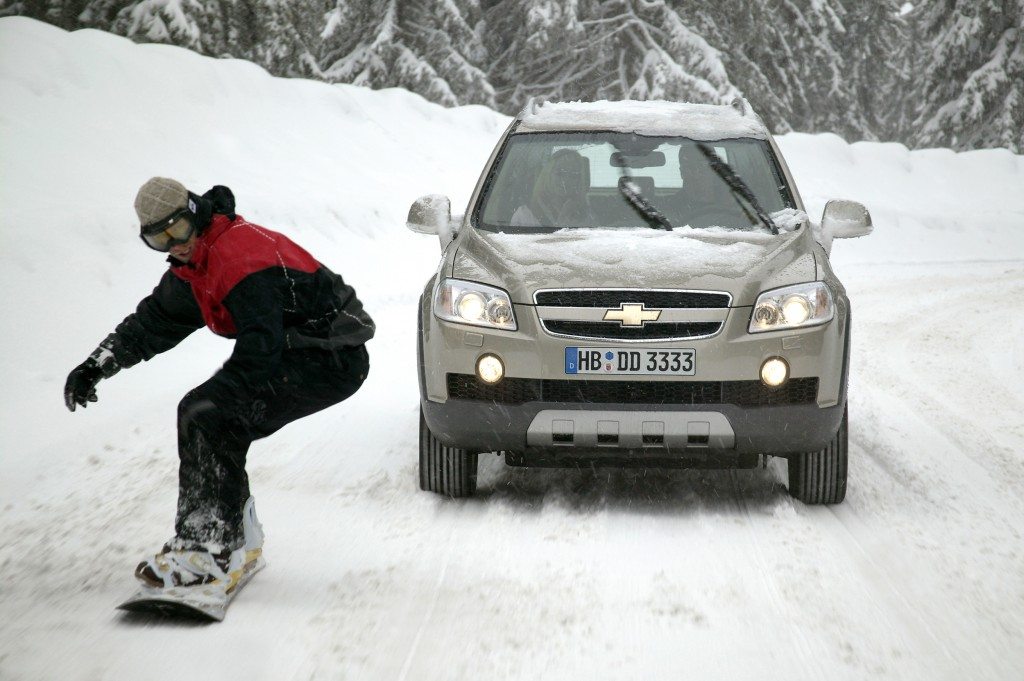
845 220
432 214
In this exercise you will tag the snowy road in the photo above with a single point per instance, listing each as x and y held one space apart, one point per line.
559 574
919 574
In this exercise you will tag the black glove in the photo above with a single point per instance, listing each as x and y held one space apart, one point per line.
81 385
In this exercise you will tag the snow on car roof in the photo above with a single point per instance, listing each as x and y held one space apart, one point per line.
696 121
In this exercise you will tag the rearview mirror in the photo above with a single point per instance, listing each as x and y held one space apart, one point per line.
654 159
432 214
845 220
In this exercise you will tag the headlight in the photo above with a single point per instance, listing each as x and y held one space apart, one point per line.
792 307
467 302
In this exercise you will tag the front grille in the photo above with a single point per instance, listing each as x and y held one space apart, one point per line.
741 393
614 298
649 331
630 392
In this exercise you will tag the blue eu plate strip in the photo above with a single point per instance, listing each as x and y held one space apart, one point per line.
572 356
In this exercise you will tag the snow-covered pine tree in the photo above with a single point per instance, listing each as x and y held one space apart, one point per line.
755 53
590 49
872 68
273 33
970 80
280 35
795 60
447 35
949 72
904 59
658 56
63 13
175 22
355 41
810 37
541 48
429 47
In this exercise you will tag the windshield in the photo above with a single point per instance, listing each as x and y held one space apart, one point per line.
548 181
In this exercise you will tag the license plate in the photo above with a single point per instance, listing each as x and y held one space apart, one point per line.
675 362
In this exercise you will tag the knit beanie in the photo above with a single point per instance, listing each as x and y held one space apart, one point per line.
159 198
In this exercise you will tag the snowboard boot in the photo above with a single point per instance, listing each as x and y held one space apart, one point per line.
186 564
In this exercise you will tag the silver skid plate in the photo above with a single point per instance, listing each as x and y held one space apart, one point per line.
672 430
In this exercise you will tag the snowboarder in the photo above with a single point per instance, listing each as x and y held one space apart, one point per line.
299 333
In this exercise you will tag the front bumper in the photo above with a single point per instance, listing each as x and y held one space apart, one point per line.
689 431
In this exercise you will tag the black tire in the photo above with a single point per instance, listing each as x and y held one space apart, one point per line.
450 471
820 477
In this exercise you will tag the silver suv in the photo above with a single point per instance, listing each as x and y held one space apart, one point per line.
635 284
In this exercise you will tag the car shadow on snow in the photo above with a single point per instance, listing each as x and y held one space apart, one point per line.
650 491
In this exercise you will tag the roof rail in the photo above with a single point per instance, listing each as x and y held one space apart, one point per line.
532 104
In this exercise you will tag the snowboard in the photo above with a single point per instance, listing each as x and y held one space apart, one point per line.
207 602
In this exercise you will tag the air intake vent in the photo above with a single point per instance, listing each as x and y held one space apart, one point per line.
741 393
614 298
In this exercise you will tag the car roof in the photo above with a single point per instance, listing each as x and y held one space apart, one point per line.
658 118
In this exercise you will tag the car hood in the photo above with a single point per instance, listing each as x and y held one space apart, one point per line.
740 263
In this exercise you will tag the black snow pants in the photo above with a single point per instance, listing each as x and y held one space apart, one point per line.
213 441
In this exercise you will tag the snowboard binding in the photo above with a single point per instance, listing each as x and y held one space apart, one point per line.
199 581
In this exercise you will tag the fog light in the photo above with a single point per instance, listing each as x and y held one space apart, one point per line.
490 369
774 372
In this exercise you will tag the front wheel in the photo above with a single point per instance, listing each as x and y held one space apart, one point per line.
450 471
820 477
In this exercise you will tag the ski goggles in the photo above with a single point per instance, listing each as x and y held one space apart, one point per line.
173 230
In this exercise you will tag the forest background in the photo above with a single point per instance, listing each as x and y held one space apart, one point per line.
934 73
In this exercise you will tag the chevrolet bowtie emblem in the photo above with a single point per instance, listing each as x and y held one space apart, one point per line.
632 314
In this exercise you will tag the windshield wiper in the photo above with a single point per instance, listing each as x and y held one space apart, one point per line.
737 186
651 215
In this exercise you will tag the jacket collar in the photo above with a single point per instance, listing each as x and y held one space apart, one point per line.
200 253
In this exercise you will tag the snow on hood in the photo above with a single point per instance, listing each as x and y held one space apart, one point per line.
695 121
713 258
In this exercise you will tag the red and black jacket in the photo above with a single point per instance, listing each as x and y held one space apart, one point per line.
249 283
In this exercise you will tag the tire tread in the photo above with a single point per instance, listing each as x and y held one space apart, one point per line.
450 471
820 477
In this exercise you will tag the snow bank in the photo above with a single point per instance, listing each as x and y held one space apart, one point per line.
927 205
